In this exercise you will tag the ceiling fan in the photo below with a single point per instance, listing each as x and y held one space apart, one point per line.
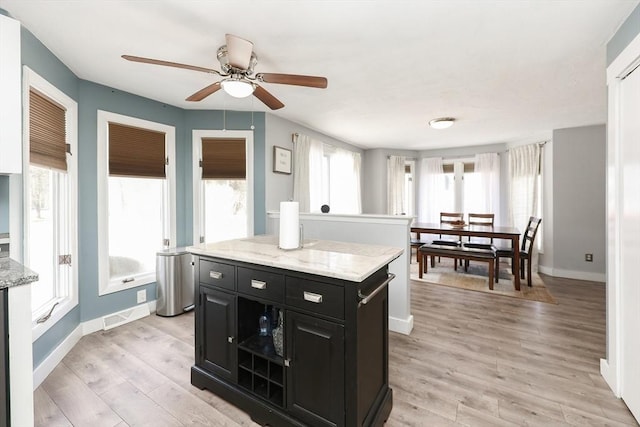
237 62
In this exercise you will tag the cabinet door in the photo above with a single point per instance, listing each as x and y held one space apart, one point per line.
216 350
315 377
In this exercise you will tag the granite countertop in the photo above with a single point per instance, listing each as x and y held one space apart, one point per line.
341 260
12 273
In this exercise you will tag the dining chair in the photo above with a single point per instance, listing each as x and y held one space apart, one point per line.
479 222
526 250
449 218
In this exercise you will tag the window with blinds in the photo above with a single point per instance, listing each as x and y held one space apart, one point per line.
136 152
224 158
47 132
50 200
468 167
136 198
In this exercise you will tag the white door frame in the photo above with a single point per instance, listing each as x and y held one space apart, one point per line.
612 368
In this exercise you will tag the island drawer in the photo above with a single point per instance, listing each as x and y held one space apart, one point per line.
217 274
260 283
316 297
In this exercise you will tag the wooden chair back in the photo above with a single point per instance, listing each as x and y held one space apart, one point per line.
529 234
451 217
483 221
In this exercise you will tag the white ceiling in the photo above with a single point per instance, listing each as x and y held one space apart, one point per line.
507 70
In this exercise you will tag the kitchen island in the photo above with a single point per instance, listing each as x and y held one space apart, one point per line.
332 297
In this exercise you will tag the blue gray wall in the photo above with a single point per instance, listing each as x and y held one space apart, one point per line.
92 97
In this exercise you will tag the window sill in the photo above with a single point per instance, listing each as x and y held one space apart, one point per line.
117 285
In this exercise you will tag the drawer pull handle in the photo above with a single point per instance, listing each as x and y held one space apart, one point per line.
311 297
258 284
215 274
230 339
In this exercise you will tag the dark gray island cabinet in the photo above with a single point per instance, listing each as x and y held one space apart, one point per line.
333 298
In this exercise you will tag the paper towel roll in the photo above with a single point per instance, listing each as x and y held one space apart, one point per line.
289 225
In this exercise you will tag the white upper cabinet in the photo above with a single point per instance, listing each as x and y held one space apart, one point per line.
10 100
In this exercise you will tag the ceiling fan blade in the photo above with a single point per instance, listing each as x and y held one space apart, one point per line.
204 92
293 79
239 51
267 99
169 64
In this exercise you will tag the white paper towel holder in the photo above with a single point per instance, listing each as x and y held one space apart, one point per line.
300 244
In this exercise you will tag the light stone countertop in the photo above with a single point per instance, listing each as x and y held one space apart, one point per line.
12 273
341 260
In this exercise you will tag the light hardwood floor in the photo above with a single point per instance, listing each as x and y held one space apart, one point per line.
472 359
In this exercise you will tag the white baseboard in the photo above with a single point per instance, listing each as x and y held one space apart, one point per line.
43 370
403 326
572 274
609 376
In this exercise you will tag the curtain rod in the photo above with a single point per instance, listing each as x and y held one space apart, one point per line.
406 158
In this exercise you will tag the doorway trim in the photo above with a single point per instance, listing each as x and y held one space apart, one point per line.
611 367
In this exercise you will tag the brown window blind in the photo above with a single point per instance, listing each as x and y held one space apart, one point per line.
136 152
47 132
468 168
223 158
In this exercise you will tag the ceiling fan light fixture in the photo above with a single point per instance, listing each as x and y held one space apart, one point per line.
442 122
237 88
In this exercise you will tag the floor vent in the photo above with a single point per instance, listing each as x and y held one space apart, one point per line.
125 316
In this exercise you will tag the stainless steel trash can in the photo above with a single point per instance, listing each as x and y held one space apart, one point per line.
174 278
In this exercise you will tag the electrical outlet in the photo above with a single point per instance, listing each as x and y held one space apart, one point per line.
588 257
142 296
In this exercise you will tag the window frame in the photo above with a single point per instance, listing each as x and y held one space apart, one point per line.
196 149
105 285
65 304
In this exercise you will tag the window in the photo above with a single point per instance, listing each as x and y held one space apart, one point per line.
325 175
50 200
340 181
458 194
400 190
223 185
136 199
461 185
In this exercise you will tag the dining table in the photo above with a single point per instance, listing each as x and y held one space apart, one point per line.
494 232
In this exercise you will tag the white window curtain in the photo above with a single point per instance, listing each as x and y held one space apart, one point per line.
524 168
344 182
431 184
307 172
396 203
487 166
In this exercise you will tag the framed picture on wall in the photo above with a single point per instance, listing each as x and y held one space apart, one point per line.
281 160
